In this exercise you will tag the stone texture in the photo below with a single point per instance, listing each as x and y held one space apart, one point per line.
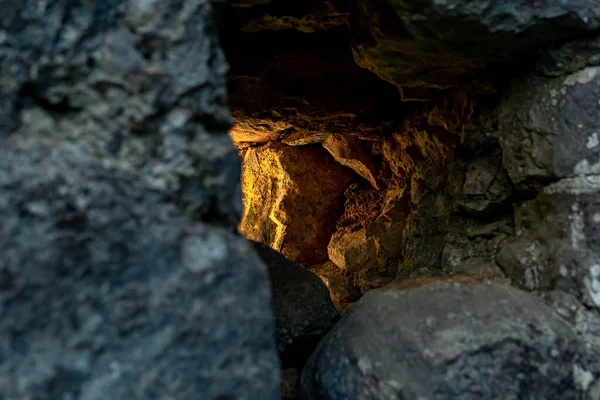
293 197
487 188
551 151
304 312
340 284
549 128
445 340
353 153
373 249
443 44
557 243
112 127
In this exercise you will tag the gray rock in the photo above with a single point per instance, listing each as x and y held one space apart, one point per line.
112 124
441 44
557 246
487 188
304 312
549 127
446 341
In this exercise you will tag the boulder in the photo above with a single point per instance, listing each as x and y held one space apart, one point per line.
441 44
293 197
304 312
449 339
487 189
119 188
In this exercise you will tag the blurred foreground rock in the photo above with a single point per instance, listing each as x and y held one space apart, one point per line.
112 135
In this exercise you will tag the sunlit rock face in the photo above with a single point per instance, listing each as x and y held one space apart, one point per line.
292 199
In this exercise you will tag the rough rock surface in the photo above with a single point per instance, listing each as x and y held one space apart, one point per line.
551 130
447 340
112 125
276 91
304 312
551 151
293 198
353 153
443 44
339 282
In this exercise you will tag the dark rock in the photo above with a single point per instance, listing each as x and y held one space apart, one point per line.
487 188
549 128
449 339
304 312
557 245
304 16
442 44
340 285
113 123
289 384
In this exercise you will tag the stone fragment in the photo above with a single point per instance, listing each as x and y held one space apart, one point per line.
449 339
293 197
375 246
353 153
487 187
304 312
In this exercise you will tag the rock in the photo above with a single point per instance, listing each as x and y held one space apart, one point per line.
340 285
550 130
351 152
376 243
304 16
304 312
441 44
471 250
447 340
487 187
107 291
293 197
557 245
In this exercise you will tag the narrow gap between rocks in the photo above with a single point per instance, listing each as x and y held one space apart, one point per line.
342 176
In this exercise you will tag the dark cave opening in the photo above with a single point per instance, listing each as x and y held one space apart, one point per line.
344 177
